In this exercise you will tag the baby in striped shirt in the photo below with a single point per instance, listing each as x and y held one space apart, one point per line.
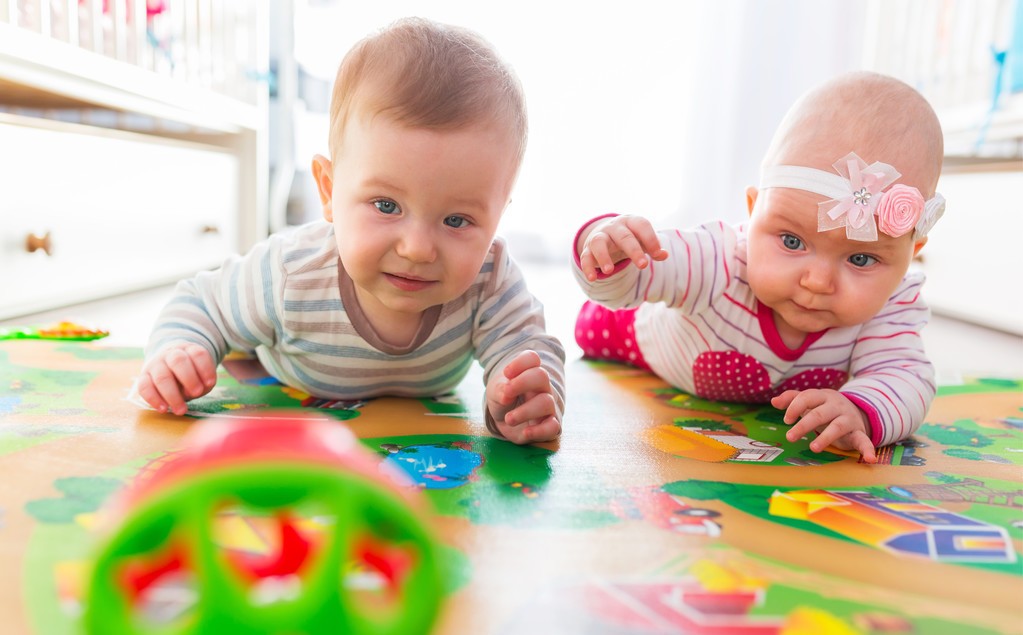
807 305
403 285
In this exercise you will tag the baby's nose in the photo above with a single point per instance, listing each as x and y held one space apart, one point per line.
819 277
417 245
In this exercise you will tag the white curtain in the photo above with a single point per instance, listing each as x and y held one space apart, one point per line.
757 58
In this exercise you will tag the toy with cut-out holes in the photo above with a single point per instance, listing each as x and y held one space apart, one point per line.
273 523
59 331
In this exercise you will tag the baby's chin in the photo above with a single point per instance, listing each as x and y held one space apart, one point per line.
805 321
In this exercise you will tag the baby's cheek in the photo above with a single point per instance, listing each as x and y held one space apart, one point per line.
858 298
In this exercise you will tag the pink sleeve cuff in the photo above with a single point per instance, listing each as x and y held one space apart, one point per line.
876 428
621 264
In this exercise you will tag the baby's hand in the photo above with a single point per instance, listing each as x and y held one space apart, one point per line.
836 420
521 401
614 239
175 375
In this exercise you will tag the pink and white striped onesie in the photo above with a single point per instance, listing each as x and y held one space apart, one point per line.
693 320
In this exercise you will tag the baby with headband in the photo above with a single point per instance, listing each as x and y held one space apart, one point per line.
807 305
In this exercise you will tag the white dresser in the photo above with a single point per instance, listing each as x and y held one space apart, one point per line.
132 148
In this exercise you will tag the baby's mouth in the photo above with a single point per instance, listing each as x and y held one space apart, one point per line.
407 282
804 308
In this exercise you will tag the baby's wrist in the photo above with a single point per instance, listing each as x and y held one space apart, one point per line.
864 419
872 421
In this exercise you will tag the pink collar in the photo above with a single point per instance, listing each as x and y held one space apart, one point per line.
770 330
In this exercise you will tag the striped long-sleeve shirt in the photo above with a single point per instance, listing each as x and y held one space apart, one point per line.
290 301
700 328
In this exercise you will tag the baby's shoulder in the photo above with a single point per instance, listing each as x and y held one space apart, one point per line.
498 268
712 232
709 241
305 248
496 256
909 288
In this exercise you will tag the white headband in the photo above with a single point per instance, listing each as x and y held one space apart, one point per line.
856 194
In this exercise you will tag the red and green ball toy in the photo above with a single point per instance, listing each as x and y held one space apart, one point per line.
370 567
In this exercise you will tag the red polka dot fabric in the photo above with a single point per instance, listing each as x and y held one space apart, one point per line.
731 376
815 378
608 335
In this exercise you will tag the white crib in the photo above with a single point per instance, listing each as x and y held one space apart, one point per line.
132 143
950 50
206 43
947 50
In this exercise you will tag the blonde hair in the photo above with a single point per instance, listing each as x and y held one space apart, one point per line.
423 74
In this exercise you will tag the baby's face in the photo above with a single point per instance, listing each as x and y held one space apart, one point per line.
817 280
415 210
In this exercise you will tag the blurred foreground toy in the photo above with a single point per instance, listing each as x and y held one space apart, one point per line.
342 546
58 331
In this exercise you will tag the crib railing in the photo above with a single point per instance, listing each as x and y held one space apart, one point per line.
959 54
209 44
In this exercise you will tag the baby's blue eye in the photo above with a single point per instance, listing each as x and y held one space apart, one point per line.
387 207
455 221
862 260
791 242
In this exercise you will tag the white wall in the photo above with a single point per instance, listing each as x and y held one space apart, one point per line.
661 108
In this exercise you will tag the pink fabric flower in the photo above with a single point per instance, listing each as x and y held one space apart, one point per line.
898 210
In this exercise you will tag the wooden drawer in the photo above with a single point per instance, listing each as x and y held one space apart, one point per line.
117 211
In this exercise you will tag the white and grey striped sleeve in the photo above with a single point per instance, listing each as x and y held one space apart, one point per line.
234 307
510 320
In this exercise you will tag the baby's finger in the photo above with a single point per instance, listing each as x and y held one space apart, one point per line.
782 401
861 443
180 364
803 403
145 389
628 244
546 430
531 380
588 265
816 419
521 363
535 408
167 386
204 366
830 434
645 235
598 248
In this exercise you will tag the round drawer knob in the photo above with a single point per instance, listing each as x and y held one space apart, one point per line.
34 243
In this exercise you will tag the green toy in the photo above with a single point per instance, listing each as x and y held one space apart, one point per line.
289 473
61 331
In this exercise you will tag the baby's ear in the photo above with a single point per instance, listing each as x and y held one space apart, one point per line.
323 173
919 245
751 198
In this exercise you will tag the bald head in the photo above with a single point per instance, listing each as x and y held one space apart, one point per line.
877 117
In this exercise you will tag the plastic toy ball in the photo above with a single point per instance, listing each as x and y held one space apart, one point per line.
280 524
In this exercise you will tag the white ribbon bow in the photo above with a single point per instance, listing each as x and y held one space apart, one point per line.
855 209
